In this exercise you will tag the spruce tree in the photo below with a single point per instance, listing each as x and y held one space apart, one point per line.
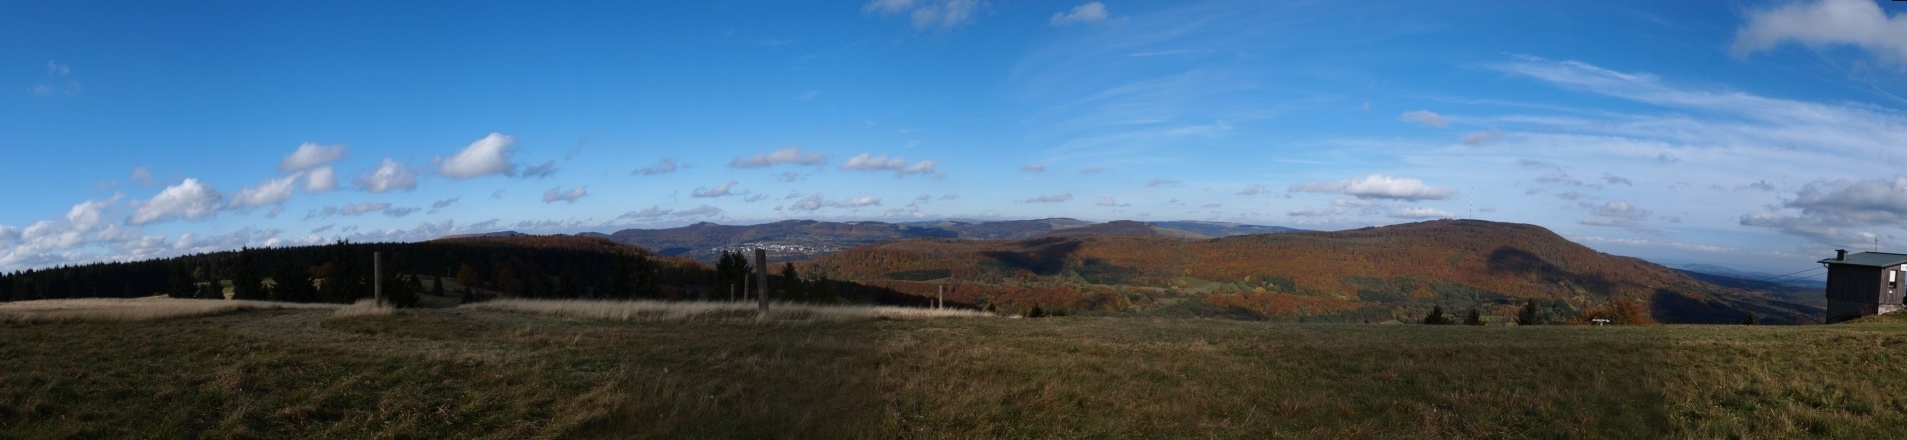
1437 317
246 284
791 288
1530 314
437 286
1473 318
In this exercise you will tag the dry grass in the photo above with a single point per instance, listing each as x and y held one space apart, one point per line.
364 307
716 311
131 309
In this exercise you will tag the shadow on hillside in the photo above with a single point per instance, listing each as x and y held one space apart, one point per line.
1045 256
1526 263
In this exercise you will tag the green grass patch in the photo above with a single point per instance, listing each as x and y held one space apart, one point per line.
477 373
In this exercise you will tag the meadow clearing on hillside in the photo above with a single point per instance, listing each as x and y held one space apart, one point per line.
470 372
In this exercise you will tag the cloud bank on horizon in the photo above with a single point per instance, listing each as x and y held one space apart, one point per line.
1759 135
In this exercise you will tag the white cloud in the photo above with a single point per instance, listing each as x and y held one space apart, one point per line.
790 155
9 236
1056 198
558 195
718 191
487 156
1111 202
1425 117
389 175
272 192
1033 167
1094 12
1858 23
1162 182
664 166
1252 190
445 203
1377 186
310 155
1093 170
699 211
90 215
188 200
870 162
929 15
321 179
862 201
1419 213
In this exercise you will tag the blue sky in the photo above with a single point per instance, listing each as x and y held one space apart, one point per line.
1757 134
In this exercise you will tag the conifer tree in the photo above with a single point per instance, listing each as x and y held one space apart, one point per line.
1437 317
1473 318
246 284
1530 314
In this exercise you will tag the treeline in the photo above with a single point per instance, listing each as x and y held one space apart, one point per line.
478 268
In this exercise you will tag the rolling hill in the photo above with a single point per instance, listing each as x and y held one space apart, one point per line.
792 240
1370 274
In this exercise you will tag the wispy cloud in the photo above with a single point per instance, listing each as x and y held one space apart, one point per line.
1377 186
899 165
664 166
718 191
1056 198
1425 117
557 194
930 15
790 155
1089 13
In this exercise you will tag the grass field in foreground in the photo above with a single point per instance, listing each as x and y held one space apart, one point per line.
482 373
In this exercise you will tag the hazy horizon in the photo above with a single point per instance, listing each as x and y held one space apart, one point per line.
1753 134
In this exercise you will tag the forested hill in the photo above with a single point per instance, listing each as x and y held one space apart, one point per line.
804 239
510 266
1393 272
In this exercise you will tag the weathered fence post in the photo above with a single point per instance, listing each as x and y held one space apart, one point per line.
761 278
942 301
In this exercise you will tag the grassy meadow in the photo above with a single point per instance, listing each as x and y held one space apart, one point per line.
497 373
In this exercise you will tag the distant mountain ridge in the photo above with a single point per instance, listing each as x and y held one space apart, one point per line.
790 240
1379 273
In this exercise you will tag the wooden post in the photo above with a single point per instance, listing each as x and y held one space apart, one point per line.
377 277
761 278
942 302
731 292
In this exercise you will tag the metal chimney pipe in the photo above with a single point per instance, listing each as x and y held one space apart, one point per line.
1840 254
